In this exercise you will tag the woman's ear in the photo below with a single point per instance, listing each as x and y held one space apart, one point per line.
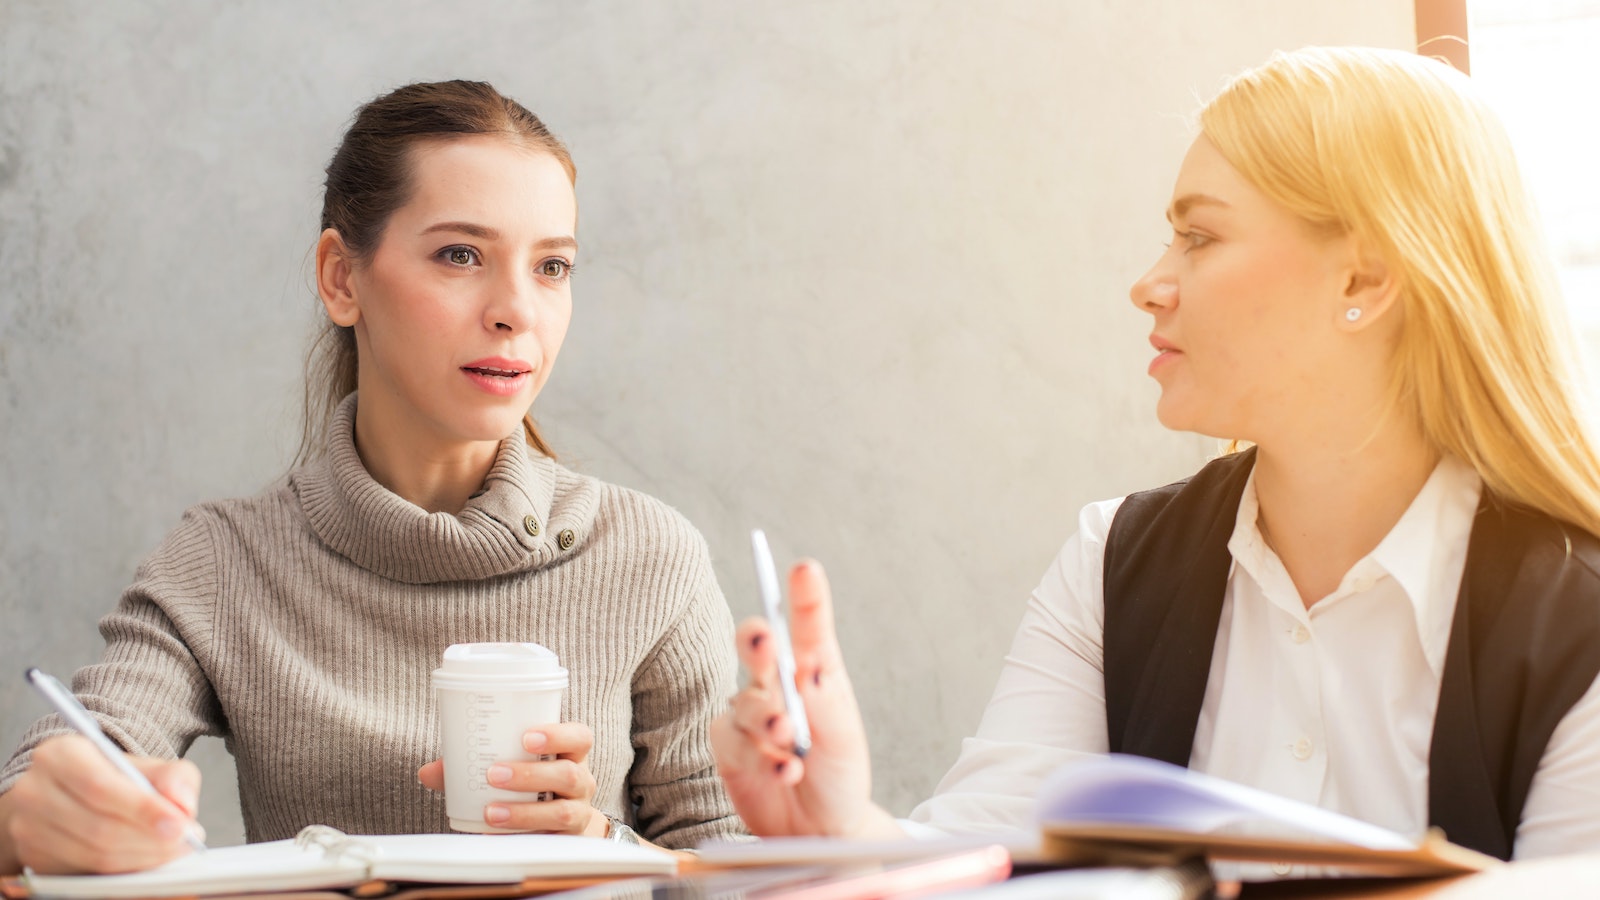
1370 290
335 264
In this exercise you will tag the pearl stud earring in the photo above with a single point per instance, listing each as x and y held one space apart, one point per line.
1352 314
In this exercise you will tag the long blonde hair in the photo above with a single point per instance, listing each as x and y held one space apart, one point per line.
1396 150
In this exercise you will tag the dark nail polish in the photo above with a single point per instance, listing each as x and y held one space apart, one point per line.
816 678
755 641
772 722
777 768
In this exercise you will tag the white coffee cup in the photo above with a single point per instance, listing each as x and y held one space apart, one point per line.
489 695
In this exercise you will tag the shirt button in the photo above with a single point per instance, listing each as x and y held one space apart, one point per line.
1301 634
1363 584
1282 868
1301 749
530 525
566 539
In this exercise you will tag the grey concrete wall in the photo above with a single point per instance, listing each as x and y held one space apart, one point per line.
854 272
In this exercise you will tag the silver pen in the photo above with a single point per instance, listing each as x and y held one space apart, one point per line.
82 722
767 580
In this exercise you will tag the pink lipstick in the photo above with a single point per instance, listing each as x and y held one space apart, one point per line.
498 375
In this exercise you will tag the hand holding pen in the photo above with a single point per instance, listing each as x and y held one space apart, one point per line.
85 806
828 790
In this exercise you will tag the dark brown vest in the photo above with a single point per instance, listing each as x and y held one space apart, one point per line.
1524 643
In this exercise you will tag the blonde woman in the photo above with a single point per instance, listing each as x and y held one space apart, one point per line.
1389 605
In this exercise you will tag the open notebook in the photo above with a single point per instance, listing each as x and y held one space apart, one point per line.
321 858
1128 808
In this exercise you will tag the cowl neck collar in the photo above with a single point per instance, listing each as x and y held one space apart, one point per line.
506 527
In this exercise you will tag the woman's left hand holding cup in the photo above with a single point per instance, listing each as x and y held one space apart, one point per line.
566 779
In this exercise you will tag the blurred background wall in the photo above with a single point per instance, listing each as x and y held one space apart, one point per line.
853 272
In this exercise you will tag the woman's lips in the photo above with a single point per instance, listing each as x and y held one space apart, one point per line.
498 375
1162 358
1165 353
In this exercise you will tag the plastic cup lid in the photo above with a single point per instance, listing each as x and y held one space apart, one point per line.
501 664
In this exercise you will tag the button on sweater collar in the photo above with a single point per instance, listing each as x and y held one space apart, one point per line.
389 536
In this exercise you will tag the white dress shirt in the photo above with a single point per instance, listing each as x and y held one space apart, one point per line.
1332 706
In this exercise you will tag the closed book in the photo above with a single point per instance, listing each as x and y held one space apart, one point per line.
855 879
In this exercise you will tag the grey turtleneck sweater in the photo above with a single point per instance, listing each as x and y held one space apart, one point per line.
301 626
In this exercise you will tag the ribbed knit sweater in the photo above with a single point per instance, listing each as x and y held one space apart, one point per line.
301 626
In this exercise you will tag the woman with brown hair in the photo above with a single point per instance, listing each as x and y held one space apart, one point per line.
301 625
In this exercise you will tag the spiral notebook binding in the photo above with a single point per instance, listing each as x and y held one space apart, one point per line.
337 845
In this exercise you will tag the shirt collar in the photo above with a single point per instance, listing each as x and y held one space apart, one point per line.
1425 552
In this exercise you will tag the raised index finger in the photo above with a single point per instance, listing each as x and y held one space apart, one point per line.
816 646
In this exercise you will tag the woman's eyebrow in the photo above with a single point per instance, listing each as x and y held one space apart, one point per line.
564 242
481 232
485 233
1182 205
